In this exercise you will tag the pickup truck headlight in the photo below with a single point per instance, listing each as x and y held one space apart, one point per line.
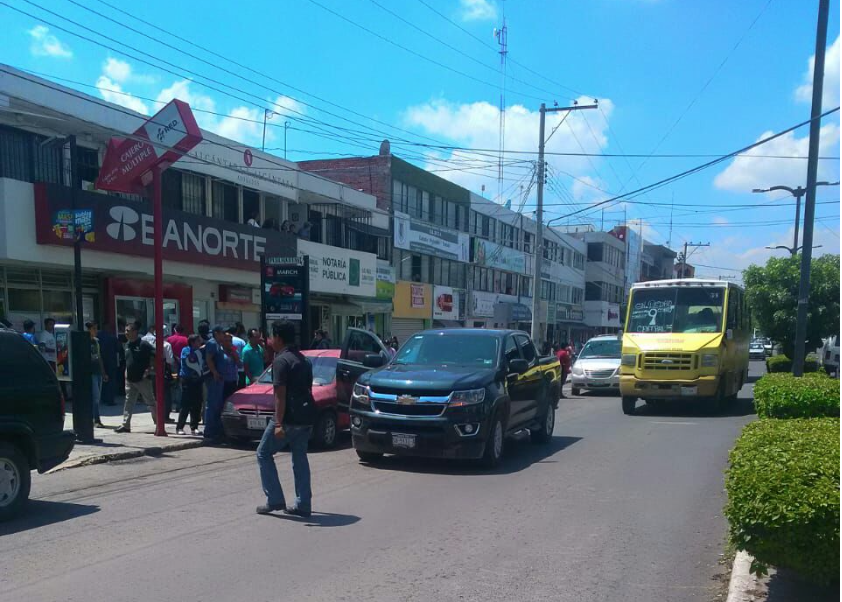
361 393
629 359
466 398
577 370
710 360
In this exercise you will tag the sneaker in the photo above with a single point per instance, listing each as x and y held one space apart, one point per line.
297 512
268 508
180 432
196 432
169 421
123 429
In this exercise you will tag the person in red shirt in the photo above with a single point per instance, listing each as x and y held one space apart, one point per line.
178 341
563 356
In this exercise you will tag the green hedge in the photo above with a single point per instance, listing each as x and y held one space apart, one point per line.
781 363
785 396
783 495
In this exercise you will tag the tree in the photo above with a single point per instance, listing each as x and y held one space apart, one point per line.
772 294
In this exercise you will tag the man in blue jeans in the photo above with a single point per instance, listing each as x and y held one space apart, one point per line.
295 414
214 356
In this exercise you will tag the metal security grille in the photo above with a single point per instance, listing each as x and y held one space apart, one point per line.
667 361
599 373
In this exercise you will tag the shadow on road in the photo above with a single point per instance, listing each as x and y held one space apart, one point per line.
321 519
40 513
519 452
696 408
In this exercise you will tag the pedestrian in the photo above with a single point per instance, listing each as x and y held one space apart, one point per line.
285 226
252 220
395 344
229 367
239 345
109 348
253 357
304 232
139 356
190 375
98 374
215 358
47 342
178 341
564 359
204 330
169 369
29 331
295 414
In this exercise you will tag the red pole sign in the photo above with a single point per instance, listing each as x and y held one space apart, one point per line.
130 165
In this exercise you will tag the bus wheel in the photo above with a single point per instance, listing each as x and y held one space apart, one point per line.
628 405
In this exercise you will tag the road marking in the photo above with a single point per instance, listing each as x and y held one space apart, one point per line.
671 422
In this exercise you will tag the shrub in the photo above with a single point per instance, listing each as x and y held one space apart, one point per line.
783 495
781 363
785 396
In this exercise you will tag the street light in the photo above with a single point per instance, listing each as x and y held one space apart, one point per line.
267 114
797 193
792 250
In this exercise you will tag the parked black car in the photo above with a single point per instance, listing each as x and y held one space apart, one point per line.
32 435
454 393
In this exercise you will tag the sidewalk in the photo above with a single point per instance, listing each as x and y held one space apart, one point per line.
121 446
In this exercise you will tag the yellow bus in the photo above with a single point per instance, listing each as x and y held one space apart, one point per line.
684 339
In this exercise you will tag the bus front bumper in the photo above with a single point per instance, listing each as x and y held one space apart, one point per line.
648 388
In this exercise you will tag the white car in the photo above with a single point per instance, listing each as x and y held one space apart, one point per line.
598 365
756 351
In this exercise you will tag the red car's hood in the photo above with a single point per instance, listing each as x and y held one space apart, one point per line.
260 396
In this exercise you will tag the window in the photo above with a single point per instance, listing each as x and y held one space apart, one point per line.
225 203
416 268
486 226
251 204
509 282
87 163
527 349
425 206
594 251
527 242
578 295
679 310
171 189
412 204
451 349
192 193
510 350
23 157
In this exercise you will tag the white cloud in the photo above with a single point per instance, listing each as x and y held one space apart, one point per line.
46 44
750 171
830 87
113 92
475 125
477 10
116 70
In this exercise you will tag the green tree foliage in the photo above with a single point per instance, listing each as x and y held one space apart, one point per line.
772 293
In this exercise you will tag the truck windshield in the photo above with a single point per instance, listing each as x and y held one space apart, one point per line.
608 348
449 350
677 310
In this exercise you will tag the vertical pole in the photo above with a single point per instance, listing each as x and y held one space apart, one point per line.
683 262
263 144
799 193
286 126
158 238
810 203
539 236
75 184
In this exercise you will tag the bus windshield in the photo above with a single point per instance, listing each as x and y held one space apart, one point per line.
677 310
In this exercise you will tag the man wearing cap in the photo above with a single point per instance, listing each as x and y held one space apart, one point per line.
215 358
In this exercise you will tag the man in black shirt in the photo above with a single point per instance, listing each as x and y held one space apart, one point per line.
295 414
139 356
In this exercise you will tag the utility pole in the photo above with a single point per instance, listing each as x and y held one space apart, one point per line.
539 214
695 246
810 205
797 192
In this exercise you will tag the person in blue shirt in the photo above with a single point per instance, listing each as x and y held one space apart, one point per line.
29 331
239 344
190 374
214 356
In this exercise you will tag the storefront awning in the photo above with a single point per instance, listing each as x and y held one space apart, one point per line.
371 306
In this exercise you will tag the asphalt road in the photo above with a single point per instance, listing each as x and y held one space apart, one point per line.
616 508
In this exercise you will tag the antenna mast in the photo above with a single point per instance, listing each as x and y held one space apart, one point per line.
502 40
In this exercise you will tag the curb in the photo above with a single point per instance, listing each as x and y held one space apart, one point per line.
743 585
153 450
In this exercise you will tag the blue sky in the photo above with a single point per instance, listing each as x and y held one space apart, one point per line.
645 60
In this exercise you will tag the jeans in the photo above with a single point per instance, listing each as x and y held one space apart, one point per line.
191 403
96 391
297 437
213 410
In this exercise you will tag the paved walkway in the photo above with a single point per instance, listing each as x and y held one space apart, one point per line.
120 446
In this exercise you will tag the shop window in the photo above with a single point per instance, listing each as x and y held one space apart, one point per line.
225 203
57 301
192 193
251 205
24 300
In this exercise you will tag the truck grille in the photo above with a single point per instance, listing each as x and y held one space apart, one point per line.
667 360
420 409
599 373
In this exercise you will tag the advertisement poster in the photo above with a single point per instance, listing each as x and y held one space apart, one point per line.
340 271
491 255
385 280
431 240
445 303
62 335
284 288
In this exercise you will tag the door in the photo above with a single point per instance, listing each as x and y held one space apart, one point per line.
357 344
518 397
532 380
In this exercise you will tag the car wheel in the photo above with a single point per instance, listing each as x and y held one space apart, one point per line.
15 481
494 444
628 405
326 430
368 456
576 391
545 432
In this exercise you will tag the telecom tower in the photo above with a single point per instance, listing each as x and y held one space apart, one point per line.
502 40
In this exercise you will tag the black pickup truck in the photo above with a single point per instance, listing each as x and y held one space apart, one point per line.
454 393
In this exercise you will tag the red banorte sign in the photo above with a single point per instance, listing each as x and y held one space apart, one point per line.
159 142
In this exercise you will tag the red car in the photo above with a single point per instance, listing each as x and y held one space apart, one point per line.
247 411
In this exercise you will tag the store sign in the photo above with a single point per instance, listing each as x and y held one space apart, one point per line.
482 303
413 300
121 226
340 271
415 236
445 303
236 294
284 288
385 280
491 255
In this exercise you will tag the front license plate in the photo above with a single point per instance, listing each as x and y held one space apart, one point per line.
689 390
399 440
256 422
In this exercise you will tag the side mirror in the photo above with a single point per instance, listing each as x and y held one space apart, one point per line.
373 360
729 334
518 366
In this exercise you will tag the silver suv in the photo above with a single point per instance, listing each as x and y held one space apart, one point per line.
598 365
